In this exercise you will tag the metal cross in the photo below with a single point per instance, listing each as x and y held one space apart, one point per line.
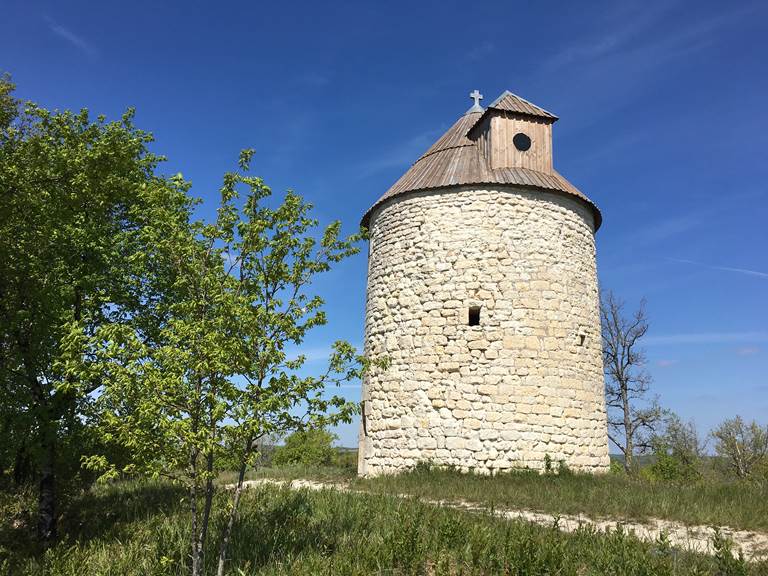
476 96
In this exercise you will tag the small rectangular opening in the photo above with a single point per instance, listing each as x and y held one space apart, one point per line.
474 316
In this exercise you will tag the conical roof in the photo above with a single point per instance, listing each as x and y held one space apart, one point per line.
455 159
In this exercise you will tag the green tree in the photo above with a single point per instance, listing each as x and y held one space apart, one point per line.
219 376
678 450
311 447
74 194
743 446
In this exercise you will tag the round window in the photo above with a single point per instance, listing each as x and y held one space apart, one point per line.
521 141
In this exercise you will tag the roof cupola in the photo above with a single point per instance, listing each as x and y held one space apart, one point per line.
510 142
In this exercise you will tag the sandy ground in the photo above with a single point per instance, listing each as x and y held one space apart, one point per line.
754 545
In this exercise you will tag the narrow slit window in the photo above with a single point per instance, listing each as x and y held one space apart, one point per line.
474 316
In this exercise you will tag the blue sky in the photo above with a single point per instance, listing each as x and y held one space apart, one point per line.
664 124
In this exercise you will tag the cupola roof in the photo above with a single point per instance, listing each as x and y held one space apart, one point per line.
514 103
458 159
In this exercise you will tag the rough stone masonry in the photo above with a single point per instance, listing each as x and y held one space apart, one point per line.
482 294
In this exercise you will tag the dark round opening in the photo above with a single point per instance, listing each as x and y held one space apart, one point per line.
521 142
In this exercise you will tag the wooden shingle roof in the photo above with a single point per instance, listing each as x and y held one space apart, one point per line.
514 103
455 159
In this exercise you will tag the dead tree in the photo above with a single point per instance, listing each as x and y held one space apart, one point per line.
632 416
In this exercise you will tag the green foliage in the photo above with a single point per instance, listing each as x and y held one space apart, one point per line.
311 447
549 466
204 371
9 106
727 562
346 460
76 194
677 451
744 447
329 533
217 375
617 468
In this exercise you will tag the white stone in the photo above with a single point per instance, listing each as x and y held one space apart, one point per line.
518 386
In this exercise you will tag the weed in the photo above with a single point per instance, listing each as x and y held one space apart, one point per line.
331 533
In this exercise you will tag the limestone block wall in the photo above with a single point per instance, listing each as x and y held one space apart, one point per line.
525 382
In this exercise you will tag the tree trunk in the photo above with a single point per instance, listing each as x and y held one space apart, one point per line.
206 507
22 466
47 429
46 524
628 444
232 513
196 556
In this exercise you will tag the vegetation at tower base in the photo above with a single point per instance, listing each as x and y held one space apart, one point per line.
632 416
217 376
75 194
315 533
709 499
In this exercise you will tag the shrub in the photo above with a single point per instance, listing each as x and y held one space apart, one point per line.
311 447
617 467
743 446
677 451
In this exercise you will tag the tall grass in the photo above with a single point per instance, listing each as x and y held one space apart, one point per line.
133 528
707 502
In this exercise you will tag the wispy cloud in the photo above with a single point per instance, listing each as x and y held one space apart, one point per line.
706 338
479 52
746 271
621 31
404 154
639 33
74 39
634 47
314 79
665 229
748 351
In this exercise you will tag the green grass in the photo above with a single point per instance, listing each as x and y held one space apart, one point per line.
141 528
741 505
709 501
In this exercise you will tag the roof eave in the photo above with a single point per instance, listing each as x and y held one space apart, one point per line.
597 215
490 110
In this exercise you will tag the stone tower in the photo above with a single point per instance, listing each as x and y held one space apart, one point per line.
482 293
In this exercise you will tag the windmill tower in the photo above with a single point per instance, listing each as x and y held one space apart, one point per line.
482 293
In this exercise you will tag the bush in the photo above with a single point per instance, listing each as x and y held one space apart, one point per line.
743 446
677 452
312 447
617 468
